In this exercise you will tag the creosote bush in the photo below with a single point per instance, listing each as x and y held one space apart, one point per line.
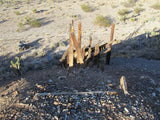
17 12
129 3
86 8
137 10
102 21
34 10
156 6
32 22
123 12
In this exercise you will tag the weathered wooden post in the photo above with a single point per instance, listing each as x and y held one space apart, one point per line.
90 49
108 54
79 55
70 55
79 35
96 54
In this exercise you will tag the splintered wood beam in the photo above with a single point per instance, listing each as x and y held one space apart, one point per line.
70 55
64 55
112 32
90 49
75 93
108 52
83 52
79 35
79 54
96 52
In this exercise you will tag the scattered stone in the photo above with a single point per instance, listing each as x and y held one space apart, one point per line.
154 94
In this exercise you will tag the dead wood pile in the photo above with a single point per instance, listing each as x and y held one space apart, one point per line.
82 55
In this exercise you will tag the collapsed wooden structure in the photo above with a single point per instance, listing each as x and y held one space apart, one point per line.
81 55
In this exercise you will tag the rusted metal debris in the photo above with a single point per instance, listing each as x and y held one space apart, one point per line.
84 54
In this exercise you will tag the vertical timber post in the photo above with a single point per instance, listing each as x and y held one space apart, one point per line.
90 49
79 53
79 35
96 54
70 55
108 54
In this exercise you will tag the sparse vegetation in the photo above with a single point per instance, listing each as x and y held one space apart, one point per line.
87 8
32 22
156 6
15 67
113 6
102 21
129 3
122 18
34 10
137 10
20 27
123 12
17 12
133 19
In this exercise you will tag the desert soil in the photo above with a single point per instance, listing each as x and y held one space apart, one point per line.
134 56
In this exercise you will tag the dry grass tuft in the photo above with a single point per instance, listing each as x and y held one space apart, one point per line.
102 21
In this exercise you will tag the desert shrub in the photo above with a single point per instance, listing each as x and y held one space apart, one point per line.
36 23
1 1
113 6
133 19
122 18
156 6
86 8
32 22
123 12
17 12
129 3
21 27
137 10
34 10
102 21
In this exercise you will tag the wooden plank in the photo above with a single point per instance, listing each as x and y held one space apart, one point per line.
96 52
76 93
79 35
90 49
70 55
79 54
83 52
112 32
108 52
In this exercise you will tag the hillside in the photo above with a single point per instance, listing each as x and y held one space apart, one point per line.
43 27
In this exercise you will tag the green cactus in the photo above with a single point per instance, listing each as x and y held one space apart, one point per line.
16 66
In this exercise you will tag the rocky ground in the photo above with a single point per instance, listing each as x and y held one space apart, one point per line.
45 90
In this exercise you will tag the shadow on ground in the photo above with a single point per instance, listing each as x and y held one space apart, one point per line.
41 72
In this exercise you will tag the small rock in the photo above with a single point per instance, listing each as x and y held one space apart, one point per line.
154 94
50 80
55 118
62 77
126 110
15 93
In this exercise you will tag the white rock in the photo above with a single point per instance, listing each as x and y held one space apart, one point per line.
126 110
50 80
154 94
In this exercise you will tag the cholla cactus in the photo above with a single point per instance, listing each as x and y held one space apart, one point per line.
16 66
